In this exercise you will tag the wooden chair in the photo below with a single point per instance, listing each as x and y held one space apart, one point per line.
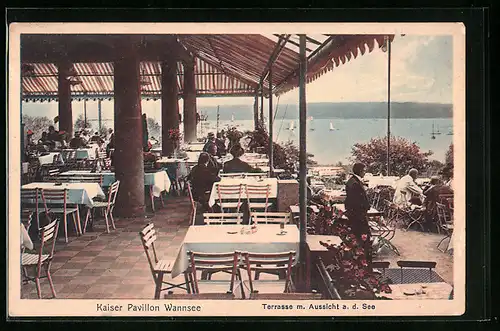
57 201
42 260
269 263
444 223
417 265
222 218
229 192
255 193
159 268
232 175
106 206
32 201
211 263
51 174
270 218
27 218
193 203
330 289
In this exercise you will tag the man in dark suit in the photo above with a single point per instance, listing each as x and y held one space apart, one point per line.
235 165
357 206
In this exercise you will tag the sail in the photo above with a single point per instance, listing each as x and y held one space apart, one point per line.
292 125
232 117
331 126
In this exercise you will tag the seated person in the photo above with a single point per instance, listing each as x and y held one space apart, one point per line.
202 179
432 195
96 138
236 165
210 143
53 135
213 164
220 142
77 141
43 139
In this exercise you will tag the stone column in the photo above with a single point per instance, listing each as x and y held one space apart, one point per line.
189 102
169 104
128 155
65 112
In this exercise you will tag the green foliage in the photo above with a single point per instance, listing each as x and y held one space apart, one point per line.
36 124
80 123
154 128
403 156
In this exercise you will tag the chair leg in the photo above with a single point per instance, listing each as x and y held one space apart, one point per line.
159 281
151 196
87 216
78 220
65 228
74 223
186 279
107 222
49 277
38 288
112 219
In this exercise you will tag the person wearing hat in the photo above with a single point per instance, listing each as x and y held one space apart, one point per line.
209 143
236 165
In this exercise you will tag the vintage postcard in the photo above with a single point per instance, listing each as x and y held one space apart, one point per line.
236 169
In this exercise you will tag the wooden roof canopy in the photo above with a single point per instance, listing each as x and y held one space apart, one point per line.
225 64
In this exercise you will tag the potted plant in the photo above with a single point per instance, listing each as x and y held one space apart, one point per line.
174 135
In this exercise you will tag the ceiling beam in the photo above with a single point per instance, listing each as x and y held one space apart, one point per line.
275 54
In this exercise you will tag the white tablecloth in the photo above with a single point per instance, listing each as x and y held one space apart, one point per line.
195 147
158 180
216 239
78 193
252 181
49 158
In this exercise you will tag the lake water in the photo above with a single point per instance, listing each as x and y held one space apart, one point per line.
330 147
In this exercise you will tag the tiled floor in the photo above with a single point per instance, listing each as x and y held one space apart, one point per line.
98 265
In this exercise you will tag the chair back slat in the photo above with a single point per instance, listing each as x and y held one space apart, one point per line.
222 218
113 192
148 237
270 217
48 236
416 264
55 196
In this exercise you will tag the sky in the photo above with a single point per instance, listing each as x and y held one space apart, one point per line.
421 71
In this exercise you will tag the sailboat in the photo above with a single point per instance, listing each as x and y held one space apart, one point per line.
232 118
292 126
331 127
450 133
437 131
433 133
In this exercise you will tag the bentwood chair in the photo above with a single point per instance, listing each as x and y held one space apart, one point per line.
41 262
211 263
268 263
256 193
57 201
270 217
106 206
159 268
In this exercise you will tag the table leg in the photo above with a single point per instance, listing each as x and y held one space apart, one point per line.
152 198
308 270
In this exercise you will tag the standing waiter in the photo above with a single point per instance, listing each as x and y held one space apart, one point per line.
357 206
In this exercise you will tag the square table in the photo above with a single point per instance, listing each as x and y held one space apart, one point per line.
433 291
78 193
273 182
216 239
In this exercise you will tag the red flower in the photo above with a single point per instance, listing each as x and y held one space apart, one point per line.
364 237
364 263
